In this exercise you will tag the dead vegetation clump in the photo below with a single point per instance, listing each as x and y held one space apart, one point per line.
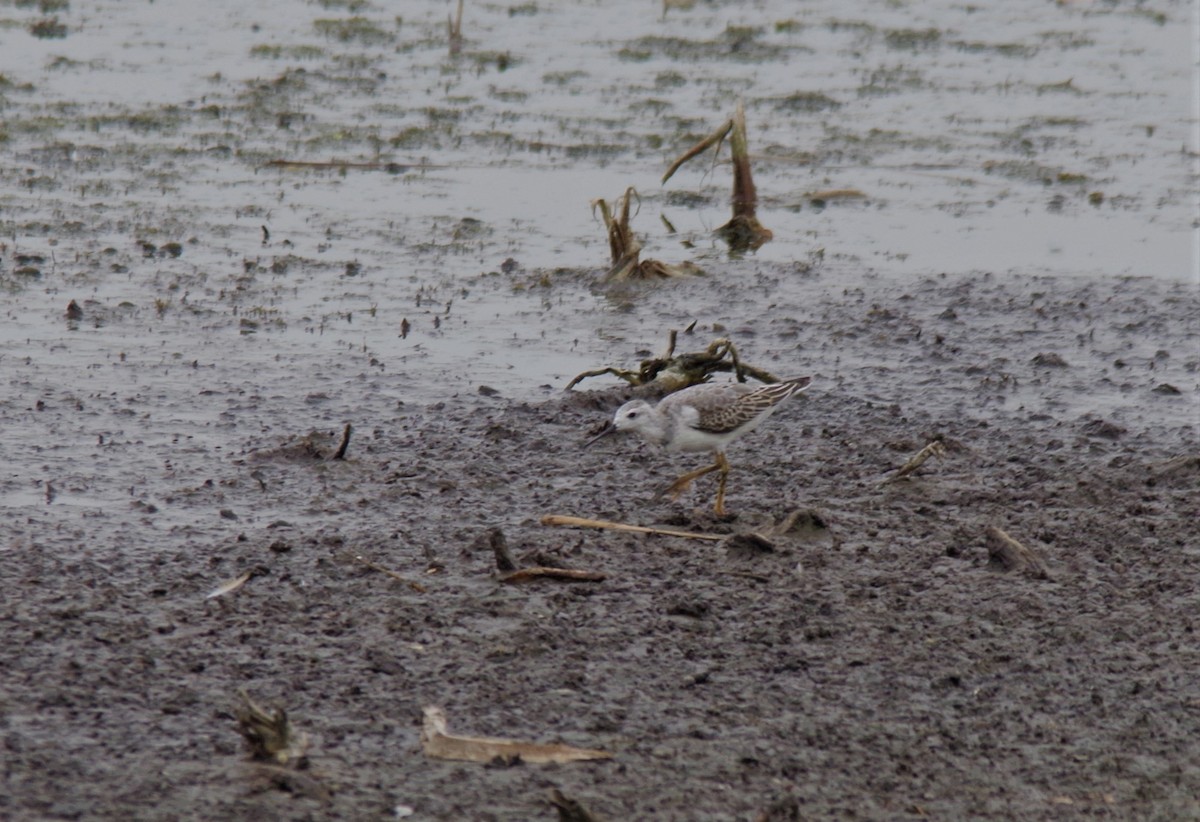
672 372
626 249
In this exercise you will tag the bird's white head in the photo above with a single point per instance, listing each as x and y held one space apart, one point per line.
643 418
633 416
639 416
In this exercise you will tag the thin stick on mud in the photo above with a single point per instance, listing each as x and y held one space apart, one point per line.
933 449
416 586
439 743
340 454
560 574
511 573
1011 555
582 522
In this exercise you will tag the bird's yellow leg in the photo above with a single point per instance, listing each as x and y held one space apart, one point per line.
723 467
680 485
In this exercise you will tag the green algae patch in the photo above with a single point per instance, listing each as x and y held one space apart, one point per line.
353 29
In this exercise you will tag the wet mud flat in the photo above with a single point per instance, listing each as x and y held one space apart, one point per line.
875 662
229 230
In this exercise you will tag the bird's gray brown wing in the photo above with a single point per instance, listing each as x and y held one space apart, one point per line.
725 417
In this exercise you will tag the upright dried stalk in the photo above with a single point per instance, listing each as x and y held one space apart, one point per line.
743 232
454 30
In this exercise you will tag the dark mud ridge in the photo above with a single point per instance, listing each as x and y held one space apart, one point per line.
890 656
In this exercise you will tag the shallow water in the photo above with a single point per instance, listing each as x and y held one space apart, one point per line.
976 133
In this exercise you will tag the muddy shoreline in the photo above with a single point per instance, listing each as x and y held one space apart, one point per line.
874 664
228 230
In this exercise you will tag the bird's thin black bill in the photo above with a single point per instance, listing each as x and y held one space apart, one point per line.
608 429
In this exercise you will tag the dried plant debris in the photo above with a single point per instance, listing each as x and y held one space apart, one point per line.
583 522
229 585
805 523
293 781
511 572
269 735
1007 554
315 446
819 199
498 543
454 30
933 449
1176 465
340 454
571 810
537 572
625 248
374 566
743 232
672 372
438 743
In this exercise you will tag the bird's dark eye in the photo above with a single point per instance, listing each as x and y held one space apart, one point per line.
631 414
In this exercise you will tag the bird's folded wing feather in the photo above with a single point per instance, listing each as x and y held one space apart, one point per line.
727 418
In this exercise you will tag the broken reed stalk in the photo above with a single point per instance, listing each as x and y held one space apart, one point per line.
582 522
933 449
438 743
505 564
716 138
361 560
1010 555
340 454
454 30
511 573
269 735
743 232
560 574
745 195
